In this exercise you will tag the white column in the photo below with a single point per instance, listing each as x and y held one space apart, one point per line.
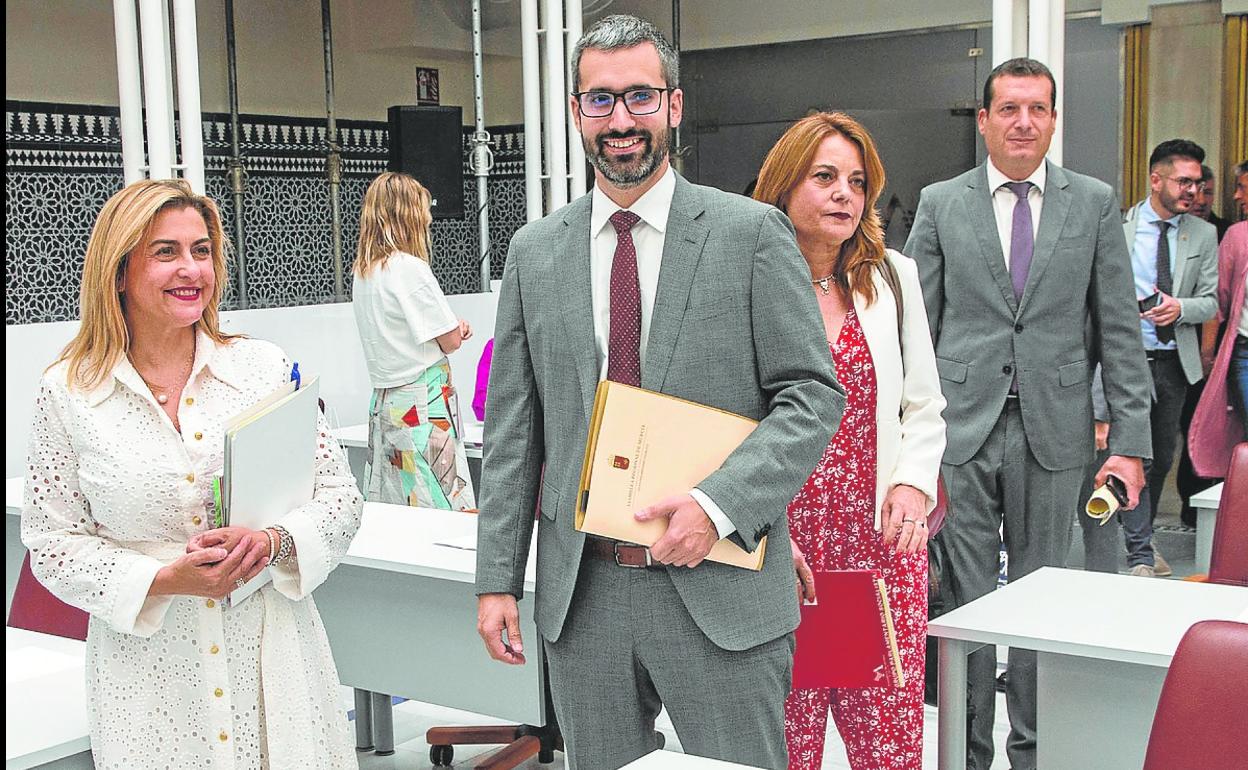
1038 20
156 89
576 149
1009 30
187 46
556 105
129 89
1046 42
1057 65
531 75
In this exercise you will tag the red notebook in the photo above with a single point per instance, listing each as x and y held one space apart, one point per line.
846 638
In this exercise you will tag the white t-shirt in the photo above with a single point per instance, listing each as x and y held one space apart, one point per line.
400 311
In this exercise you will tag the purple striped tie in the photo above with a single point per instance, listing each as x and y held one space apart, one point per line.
1022 239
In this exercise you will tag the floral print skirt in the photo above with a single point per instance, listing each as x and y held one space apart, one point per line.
415 455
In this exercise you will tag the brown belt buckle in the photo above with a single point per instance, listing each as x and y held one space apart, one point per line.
618 563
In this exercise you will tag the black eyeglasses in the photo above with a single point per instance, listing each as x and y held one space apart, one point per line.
638 101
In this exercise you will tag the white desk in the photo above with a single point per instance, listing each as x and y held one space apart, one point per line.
356 437
1206 505
45 701
401 615
670 760
1103 643
13 495
14 551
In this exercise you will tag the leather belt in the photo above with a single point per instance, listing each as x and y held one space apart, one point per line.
1161 355
623 554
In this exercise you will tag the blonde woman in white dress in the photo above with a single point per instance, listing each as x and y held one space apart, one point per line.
127 435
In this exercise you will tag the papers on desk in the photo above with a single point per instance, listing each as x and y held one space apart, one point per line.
644 446
27 663
462 543
270 464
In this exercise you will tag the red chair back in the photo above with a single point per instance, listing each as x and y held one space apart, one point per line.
1228 563
36 609
1200 717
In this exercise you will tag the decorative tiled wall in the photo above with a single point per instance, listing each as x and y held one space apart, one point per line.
62 162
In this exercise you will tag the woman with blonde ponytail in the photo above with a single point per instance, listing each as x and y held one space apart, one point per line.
407 329
119 515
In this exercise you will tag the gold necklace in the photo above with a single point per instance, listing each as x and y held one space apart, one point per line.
162 398
824 283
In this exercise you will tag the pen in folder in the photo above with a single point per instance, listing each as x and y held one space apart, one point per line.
294 375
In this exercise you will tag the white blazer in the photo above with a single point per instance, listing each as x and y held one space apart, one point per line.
910 433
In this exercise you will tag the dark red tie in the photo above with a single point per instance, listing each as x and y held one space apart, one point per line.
624 342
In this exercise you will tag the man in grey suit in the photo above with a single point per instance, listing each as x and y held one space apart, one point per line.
1174 258
1027 283
688 291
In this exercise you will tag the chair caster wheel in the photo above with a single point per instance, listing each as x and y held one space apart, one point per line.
441 755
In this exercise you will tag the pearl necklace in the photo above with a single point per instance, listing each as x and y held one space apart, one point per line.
162 398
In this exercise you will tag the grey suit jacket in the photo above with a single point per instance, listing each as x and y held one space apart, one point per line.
1195 283
735 326
1078 308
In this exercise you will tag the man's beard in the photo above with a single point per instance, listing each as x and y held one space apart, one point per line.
1177 203
641 164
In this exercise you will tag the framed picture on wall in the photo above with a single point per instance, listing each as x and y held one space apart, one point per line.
427 86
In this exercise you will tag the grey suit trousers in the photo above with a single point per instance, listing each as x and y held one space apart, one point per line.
629 647
1004 483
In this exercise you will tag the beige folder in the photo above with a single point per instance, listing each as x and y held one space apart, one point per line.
644 446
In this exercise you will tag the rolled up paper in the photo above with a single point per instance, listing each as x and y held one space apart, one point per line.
1103 503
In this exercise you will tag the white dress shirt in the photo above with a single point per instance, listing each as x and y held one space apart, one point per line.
649 235
1003 200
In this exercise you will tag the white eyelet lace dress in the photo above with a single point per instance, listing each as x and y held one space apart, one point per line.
114 492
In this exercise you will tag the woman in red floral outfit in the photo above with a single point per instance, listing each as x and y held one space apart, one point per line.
865 506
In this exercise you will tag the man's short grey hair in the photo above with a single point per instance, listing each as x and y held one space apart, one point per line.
1241 169
623 31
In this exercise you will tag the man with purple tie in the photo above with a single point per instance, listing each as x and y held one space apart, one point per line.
1028 285
652 281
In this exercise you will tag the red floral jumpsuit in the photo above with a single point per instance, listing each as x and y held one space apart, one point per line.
832 519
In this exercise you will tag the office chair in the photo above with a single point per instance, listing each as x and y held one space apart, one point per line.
521 741
36 609
1228 562
1199 720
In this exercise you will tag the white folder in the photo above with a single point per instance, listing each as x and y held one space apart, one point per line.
270 464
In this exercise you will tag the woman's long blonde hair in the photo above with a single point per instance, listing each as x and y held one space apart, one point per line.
862 255
395 216
123 226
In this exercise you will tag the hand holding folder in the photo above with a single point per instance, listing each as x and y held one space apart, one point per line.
270 463
846 638
645 447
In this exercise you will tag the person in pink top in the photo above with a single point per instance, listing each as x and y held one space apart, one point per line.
1215 430
483 380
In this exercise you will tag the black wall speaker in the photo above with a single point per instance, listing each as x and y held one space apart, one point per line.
427 142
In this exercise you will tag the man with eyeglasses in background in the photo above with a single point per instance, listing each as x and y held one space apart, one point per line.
697 293
1174 257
